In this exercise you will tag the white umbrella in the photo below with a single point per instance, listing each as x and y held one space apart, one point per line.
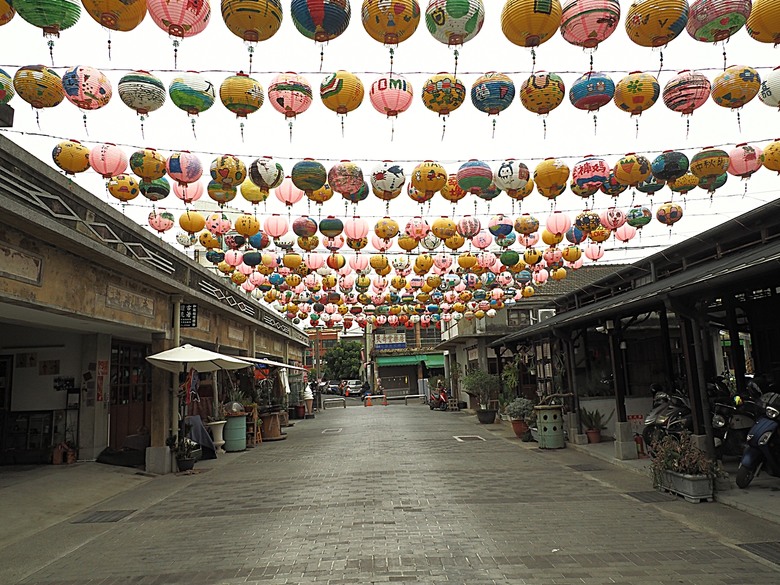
180 359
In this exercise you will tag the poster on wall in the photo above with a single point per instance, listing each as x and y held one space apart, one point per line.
48 367
26 360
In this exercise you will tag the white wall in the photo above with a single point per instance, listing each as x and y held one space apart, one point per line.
638 406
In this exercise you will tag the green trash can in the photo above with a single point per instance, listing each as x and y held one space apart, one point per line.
549 424
235 432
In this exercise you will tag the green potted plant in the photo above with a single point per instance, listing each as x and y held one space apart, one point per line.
520 411
594 422
681 468
485 387
183 449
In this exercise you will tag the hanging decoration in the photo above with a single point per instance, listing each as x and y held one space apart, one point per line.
228 171
309 175
637 92
321 20
161 221
474 176
391 95
116 15
7 91
443 94
770 89
612 186
587 23
656 23
86 88
192 93
123 188
492 93
669 214
685 92
51 16
148 164
735 87
252 21
512 176
6 12
265 174
180 19
528 23
541 93
390 23
387 181
142 92
188 193
591 91
346 178
771 156
744 160
764 21
185 168
714 22
108 160
342 92
39 86
71 156
589 174
708 165
551 176
290 94
632 169
454 23
242 95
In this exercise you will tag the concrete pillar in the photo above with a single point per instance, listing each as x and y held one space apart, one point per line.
158 457
625 447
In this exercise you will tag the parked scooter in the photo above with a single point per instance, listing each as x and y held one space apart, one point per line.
671 415
732 419
763 443
440 402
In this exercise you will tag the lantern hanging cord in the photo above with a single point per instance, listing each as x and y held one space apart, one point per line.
457 54
636 124
591 62
739 122
175 54
109 45
251 50
322 56
342 126
533 60
192 122
241 127
84 119
392 55
595 124
660 63
50 43
392 128
443 127
724 55
494 129
290 125
544 126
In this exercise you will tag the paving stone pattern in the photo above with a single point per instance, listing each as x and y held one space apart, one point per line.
394 498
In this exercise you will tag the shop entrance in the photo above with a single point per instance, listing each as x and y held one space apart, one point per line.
131 392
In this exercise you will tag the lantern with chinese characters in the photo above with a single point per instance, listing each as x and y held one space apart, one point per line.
142 92
632 169
108 160
192 93
586 23
71 156
656 23
252 21
308 175
469 226
685 92
589 174
770 89
342 92
184 167
39 86
744 160
764 21
290 94
86 88
669 213
492 93
669 165
241 95
709 164
637 92
527 23
180 19
735 87
474 176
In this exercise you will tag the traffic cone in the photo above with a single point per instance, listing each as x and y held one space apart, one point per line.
367 401
384 399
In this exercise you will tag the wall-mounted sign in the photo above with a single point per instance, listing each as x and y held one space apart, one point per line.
390 341
188 315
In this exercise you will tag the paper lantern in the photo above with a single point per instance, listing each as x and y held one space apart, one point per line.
188 192
542 92
770 89
290 94
637 92
764 21
342 92
356 228
108 160
650 185
632 169
469 226
241 94
304 227
228 170
613 218
266 174
558 223
669 213
684 184
429 177
713 22
361 194
450 191
6 12
142 92
512 176
192 93
443 93
161 222
656 23
386 228
527 23
288 193
308 175
638 216
391 94
744 160
321 195
686 91
454 23
735 86
39 86
589 174
612 186
669 165
7 91
123 187
345 178
148 164
387 179
118 15
220 193
474 176
551 175
252 20
218 224
184 167
390 23
492 93
591 91
156 189
86 87
192 222
586 23
320 20
771 156
709 163
275 226
51 16
180 18
71 156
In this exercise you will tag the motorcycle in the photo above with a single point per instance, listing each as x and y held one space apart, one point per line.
440 402
732 420
671 415
763 443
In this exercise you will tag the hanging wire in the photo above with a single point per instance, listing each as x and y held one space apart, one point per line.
241 126
457 54
595 124
392 128
739 122
192 122
636 124
533 60
494 128
109 44
660 63
443 127
392 56
544 126
687 127
290 125
50 43
37 119
175 54
84 119
322 56
251 50
342 126
143 137
724 55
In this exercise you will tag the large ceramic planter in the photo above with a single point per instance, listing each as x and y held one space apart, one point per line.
486 417
520 427
694 488
549 424
594 435
216 432
185 464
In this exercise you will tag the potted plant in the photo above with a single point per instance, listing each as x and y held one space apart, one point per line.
594 422
681 468
520 411
485 388
184 450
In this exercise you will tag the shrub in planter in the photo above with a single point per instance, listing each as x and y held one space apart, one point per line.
594 422
520 411
682 468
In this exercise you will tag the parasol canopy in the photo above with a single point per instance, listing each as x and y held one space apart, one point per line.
179 359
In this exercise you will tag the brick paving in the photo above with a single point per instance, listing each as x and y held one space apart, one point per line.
394 498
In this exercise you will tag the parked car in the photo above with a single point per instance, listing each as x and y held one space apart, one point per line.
353 388
333 387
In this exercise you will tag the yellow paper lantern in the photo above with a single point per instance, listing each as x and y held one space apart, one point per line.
247 225
551 175
443 93
225 268
342 92
443 228
735 86
238 277
467 260
192 222
532 256
771 156
123 187
455 242
528 291
632 169
558 273
148 164
763 24
119 15
551 239
656 23
383 271
637 92
407 242
429 177
684 184
600 234
386 228
292 260
39 86
451 191
529 23
71 156
241 94
390 23
424 262
398 282
252 20
6 12
308 243
321 195
378 262
433 281
252 192
208 240
552 192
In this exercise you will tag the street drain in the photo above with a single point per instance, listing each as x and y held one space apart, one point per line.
464 438
651 497
586 467
766 550
331 431
103 516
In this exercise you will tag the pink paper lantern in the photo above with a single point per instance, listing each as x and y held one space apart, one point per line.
86 87
247 286
552 255
275 226
334 244
613 218
558 223
160 222
391 94
625 232
469 226
257 279
485 260
418 228
290 94
586 23
381 244
345 178
234 257
541 276
442 261
528 241
245 269
108 160
188 193
356 228
359 263
180 18
744 160
482 240
686 91
594 251
315 261
288 193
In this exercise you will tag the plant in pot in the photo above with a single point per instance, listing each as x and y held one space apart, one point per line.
594 422
680 467
520 411
184 450
485 387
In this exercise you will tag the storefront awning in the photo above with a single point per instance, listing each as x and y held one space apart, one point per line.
435 360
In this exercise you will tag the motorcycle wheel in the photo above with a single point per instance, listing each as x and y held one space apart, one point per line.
431 406
650 435
744 476
443 406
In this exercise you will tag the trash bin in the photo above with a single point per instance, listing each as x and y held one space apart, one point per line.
549 424
235 432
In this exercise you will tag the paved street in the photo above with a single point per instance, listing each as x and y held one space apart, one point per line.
387 494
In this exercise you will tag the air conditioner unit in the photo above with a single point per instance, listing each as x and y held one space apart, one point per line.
545 314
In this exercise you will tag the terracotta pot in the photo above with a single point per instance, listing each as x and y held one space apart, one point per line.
520 427
594 435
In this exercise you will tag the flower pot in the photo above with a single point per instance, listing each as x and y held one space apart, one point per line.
487 416
694 488
520 427
300 411
185 464
217 428
594 435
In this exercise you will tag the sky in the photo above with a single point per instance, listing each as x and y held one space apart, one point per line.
416 135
